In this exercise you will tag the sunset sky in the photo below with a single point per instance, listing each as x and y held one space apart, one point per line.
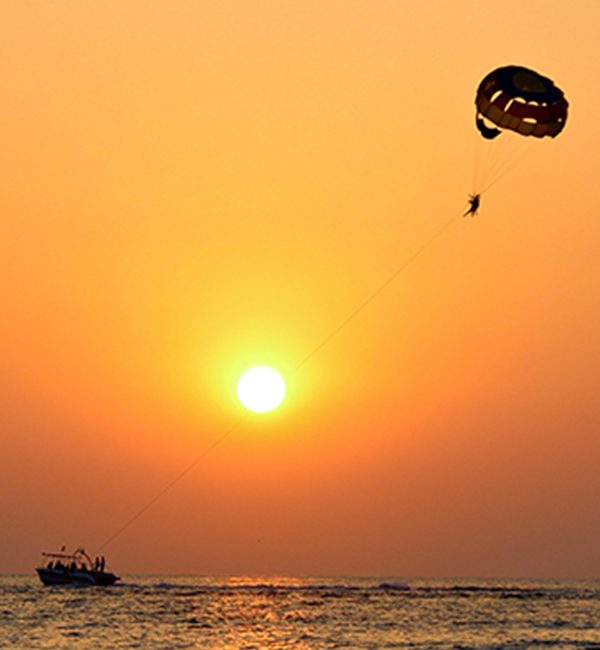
191 188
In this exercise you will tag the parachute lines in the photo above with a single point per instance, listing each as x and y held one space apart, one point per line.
514 98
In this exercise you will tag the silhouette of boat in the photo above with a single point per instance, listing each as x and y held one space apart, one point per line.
74 569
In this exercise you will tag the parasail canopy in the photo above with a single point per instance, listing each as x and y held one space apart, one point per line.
520 100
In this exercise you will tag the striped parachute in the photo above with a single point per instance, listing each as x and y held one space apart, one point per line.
521 100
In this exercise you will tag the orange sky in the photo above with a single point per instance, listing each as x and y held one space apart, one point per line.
191 188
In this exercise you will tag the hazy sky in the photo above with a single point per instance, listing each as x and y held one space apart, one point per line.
193 187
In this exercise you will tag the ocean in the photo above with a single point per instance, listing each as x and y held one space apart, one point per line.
301 613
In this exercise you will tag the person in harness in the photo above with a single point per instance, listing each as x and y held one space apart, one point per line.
474 201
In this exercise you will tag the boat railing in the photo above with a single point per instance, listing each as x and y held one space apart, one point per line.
79 560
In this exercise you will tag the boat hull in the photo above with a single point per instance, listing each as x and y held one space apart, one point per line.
78 578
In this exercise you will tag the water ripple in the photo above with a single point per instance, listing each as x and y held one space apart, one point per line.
301 614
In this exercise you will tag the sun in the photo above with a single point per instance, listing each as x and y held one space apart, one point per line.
261 389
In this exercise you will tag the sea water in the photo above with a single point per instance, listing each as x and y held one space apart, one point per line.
284 613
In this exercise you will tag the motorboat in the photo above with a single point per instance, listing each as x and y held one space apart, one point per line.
74 569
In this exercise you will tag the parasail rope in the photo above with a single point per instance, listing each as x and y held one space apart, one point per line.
169 485
309 356
377 291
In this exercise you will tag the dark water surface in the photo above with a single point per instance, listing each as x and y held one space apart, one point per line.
281 613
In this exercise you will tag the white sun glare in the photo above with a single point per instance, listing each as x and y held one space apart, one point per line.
261 389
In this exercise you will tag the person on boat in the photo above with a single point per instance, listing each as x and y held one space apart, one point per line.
474 201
